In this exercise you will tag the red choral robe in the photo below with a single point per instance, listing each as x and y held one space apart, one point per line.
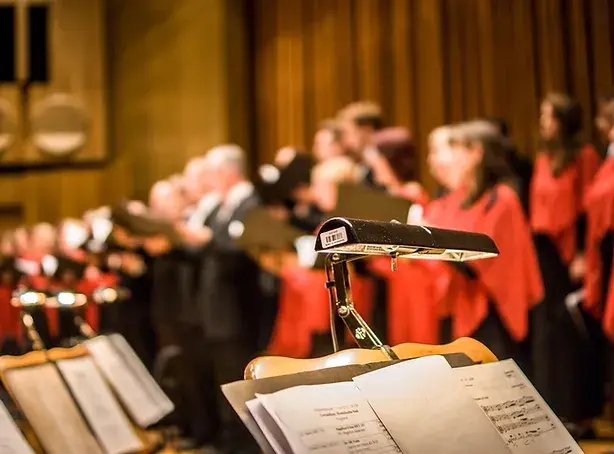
599 204
10 322
409 319
304 310
551 211
511 281
39 282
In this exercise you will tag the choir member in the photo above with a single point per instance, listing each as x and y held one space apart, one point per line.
9 314
302 327
395 168
566 341
599 204
395 165
358 122
487 299
230 295
327 142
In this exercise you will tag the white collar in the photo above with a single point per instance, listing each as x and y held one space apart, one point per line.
203 209
610 150
238 193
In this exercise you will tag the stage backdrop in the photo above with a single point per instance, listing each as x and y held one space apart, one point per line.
427 62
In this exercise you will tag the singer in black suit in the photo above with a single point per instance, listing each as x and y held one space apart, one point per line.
230 293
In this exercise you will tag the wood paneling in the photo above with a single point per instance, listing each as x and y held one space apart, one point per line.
178 82
77 58
427 62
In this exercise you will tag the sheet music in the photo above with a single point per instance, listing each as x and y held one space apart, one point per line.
150 385
328 419
12 440
105 416
143 407
47 405
269 427
427 410
516 409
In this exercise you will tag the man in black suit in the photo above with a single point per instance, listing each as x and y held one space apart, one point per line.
230 294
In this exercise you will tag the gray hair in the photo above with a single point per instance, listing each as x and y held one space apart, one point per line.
227 155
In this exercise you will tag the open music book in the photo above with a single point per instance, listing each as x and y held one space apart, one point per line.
138 391
421 406
12 440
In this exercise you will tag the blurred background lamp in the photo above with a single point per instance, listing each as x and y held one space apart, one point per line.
66 299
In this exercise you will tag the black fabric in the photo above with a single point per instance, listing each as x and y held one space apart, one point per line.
606 248
308 221
522 167
230 294
568 362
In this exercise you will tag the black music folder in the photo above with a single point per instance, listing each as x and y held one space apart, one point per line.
278 187
240 392
361 202
262 232
144 225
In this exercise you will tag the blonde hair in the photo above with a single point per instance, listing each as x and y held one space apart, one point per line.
362 113
339 169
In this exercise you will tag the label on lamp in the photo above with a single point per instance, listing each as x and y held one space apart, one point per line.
334 237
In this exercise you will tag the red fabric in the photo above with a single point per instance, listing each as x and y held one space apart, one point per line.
599 205
9 314
93 280
304 310
41 283
556 202
512 280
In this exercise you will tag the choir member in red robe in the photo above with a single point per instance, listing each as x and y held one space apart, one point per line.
9 314
302 324
566 341
599 205
32 246
486 299
395 168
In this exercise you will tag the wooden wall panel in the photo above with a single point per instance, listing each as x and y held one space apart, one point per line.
171 83
77 60
428 62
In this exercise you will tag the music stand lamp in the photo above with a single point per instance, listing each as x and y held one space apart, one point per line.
345 240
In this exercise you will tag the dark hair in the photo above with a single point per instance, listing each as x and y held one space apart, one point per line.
568 112
397 147
499 123
493 168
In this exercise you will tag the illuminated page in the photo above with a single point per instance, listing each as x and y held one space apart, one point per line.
144 408
269 427
47 405
328 419
514 406
106 418
12 440
427 410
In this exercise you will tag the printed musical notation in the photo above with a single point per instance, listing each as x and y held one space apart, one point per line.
515 408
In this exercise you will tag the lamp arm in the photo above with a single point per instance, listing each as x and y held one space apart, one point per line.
341 298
